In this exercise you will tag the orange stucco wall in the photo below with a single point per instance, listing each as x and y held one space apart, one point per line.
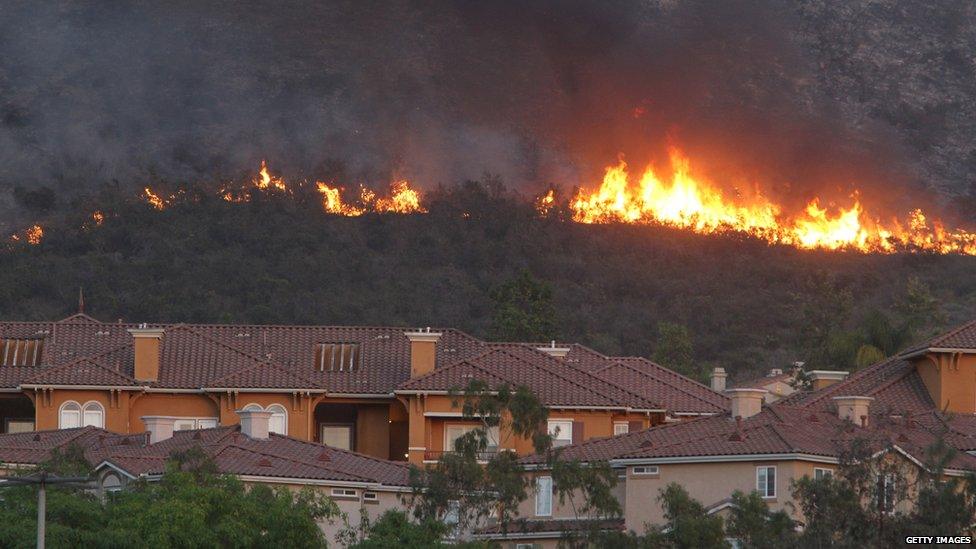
950 380
426 433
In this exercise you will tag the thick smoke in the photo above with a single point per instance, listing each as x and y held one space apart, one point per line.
539 91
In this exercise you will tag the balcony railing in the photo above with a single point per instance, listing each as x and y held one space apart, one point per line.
435 455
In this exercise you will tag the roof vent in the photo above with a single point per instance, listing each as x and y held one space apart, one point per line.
324 456
264 462
197 436
37 437
124 441
554 351
646 444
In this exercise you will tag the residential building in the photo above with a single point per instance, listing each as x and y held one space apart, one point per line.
380 391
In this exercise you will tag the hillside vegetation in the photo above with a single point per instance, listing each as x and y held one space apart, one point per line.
746 305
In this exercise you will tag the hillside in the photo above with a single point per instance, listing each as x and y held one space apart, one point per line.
273 260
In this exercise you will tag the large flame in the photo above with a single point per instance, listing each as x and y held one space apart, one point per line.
684 201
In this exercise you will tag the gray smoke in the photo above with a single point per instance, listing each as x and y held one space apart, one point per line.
537 91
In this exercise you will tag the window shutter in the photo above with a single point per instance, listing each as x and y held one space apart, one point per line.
577 432
635 425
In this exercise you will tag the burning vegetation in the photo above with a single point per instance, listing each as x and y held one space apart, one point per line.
682 200
675 198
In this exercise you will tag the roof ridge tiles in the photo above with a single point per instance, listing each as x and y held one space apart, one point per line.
314 464
46 372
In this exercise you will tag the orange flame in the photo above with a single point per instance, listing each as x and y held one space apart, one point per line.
98 217
545 203
154 199
402 200
685 201
265 181
332 201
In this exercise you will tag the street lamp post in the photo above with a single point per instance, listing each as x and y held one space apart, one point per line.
42 479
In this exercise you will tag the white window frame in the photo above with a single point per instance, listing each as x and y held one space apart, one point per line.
117 487
887 486
543 507
343 493
621 428
93 407
491 432
276 410
524 546
351 427
282 413
642 470
197 423
75 409
764 488
564 437
370 496
822 472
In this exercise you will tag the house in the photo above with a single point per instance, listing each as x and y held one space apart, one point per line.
379 391
360 485
900 406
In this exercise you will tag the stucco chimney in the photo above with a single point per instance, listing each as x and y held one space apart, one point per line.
746 402
718 379
423 351
826 378
854 408
146 343
553 351
255 423
159 427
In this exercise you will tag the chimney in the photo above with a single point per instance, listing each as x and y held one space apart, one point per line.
255 423
718 379
423 351
826 378
159 427
146 343
854 408
746 402
553 351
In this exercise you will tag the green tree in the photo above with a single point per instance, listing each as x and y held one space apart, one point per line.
687 525
755 526
674 349
523 310
470 484
394 528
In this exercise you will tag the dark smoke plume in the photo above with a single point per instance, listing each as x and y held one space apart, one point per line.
538 91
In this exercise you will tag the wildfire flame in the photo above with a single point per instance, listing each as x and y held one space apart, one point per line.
32 235
154 199
98 217
265 181
687 202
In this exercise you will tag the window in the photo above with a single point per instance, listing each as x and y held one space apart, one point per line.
20 352
370 496
93 415
821 473
543 496
19 426
111 483
453 432
561 431
887 497
337 357
279 419
646 470
766 481
278 422
621 428
343 493
337 436
69 416
452 519
187 423
524 546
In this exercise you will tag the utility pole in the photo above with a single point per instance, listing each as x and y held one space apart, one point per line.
42 479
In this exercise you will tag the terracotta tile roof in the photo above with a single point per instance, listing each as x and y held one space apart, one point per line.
83 371
669 389
36 447
263 376
895 385
759 382
960 337
277 456
555 383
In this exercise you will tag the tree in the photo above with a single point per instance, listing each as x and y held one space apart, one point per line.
394 528
523 310
755 526
469 484
686 525
674 349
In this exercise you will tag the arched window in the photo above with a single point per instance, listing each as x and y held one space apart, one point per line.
253 408
93 414
69 416
278 423
111 483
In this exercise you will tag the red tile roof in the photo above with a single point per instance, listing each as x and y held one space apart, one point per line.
37 446
960 337
83 371
554 382
669 389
